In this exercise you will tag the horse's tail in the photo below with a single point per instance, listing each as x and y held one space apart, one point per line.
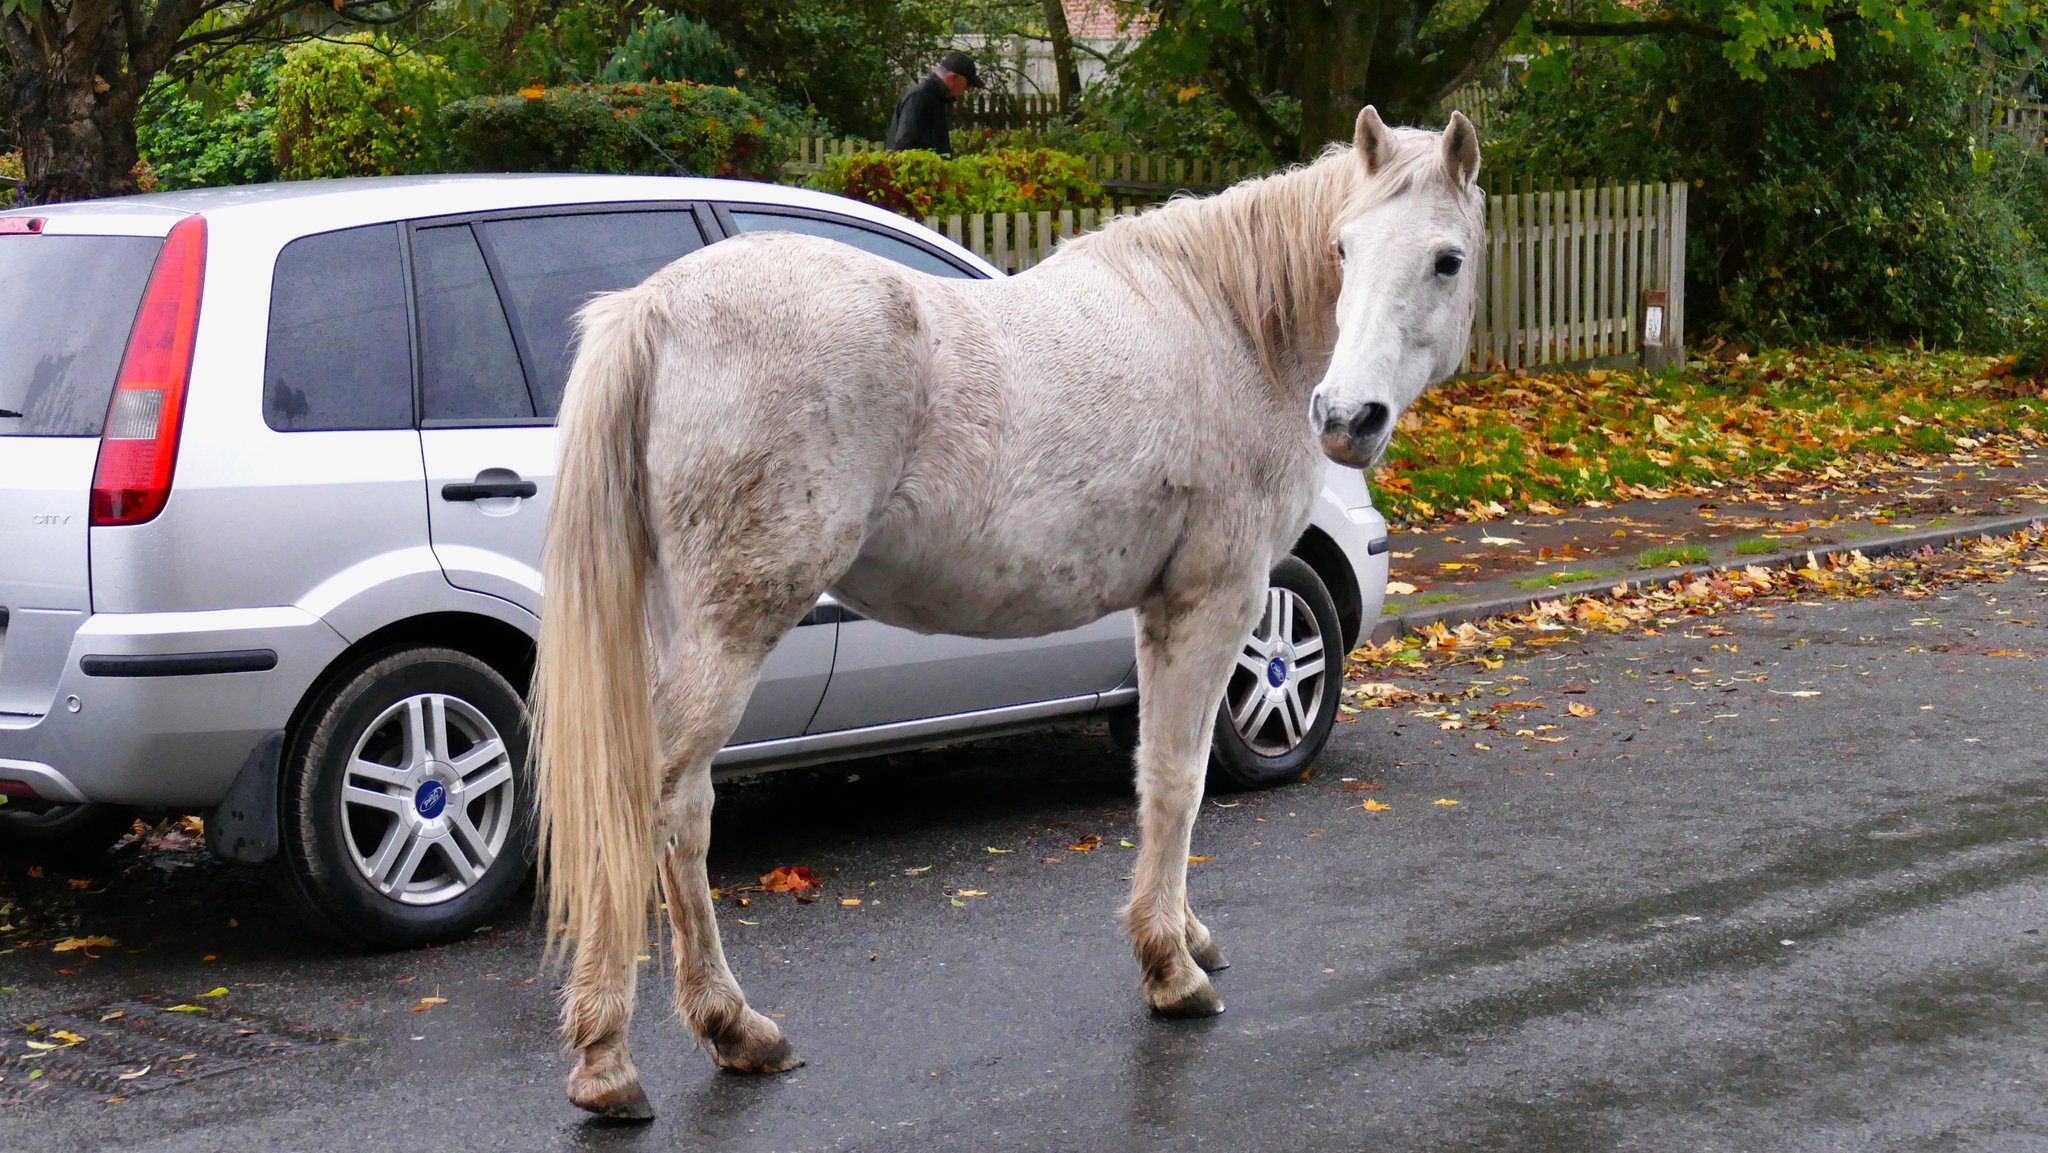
593 713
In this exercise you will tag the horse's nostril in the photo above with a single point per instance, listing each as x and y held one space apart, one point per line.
1371 421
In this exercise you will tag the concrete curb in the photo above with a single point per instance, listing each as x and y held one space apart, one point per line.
1451 613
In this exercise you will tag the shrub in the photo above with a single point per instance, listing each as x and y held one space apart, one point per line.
673 48
360 107
701 129
194 138
919 183
1846 199
10 170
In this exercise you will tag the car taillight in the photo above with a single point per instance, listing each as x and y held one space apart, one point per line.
140 443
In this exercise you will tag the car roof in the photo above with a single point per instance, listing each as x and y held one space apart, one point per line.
321 205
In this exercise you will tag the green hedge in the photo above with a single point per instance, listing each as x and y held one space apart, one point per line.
705 130
360 107
10 167
919 183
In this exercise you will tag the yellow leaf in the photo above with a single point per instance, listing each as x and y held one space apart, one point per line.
1127 844
1372 806
66 1035
993 849
134 1075
1445 801
1578 710
70 943
849 901
184 1009
532 91
220 992
1399 588
972 893
1195 860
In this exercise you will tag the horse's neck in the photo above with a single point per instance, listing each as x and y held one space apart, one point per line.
1259 253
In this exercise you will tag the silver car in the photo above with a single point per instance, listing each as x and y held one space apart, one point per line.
274 465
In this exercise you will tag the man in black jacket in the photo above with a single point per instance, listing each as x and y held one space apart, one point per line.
921 116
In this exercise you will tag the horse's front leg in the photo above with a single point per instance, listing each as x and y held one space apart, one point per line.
1185 645
707 997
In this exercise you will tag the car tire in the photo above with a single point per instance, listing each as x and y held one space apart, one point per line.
407 801
60 834
1281 702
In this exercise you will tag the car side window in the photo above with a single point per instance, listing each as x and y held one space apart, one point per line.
549 266
339 352
860 236
469 367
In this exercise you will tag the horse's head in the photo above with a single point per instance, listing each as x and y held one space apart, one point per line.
1410 282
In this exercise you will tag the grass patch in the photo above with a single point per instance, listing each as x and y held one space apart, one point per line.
1758 547
1553 579
1436 598
1672 554
1485 445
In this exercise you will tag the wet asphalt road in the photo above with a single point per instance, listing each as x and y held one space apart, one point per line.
1788 889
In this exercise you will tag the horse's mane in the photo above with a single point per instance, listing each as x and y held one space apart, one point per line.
1263 251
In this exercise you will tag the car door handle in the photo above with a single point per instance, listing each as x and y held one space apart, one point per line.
485 490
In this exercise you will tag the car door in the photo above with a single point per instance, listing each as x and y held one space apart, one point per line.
495 297
883 673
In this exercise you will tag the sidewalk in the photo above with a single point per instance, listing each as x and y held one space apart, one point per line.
1471 571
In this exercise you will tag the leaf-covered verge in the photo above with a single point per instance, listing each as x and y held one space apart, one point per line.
1424 671
1482 447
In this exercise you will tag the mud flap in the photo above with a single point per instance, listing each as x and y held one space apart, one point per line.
244 827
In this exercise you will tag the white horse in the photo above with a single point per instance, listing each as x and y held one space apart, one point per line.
1137 423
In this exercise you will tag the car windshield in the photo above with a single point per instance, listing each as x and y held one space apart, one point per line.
65 327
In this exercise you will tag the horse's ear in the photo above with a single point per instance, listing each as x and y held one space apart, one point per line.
1372 139
1461 150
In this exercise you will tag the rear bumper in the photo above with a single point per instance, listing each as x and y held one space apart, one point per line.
171 706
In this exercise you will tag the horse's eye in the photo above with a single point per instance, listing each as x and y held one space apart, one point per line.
1340 250
1449 263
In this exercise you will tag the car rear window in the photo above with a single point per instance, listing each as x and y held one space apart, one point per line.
65 326
339 354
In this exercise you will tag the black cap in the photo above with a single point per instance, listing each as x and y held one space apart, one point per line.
962 65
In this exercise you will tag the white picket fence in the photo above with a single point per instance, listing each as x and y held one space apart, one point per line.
1566 270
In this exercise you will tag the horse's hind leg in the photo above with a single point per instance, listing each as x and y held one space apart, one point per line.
596 1010
1185 643
707 997
708 668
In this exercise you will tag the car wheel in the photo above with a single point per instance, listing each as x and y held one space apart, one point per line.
1281 701
60 833
407 800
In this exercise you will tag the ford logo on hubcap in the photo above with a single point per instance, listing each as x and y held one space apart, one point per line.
1276 672
431 799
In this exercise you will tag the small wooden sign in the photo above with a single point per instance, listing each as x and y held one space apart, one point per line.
1655 302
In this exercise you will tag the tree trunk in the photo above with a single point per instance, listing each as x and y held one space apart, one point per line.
76 143
1063 62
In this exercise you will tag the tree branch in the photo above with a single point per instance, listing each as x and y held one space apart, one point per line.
1669 26
1455 58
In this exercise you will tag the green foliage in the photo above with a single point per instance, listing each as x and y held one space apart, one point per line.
842 61
1842 199
919 183
701 129
503 45
674 48
10 170
360 107
193 137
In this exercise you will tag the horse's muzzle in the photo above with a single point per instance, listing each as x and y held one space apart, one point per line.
1353 435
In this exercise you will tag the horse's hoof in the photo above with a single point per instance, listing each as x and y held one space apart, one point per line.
755 1045
1200 1001
1210 957
627 1102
